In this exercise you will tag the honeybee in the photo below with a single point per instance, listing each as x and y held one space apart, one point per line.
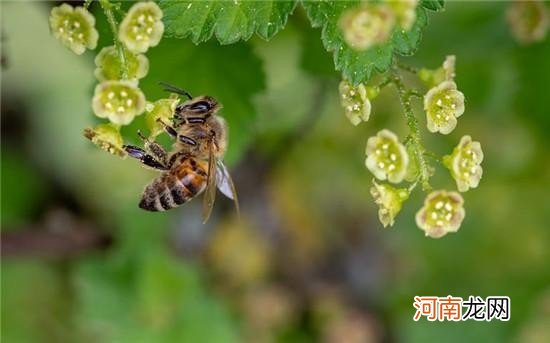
195 164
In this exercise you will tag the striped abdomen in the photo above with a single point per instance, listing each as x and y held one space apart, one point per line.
175 187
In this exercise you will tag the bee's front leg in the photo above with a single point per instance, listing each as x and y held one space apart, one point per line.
145 158
174 134
154 148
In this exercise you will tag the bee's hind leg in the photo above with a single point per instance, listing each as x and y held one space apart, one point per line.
154 149
145 158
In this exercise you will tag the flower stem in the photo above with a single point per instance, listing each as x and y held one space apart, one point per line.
108 10
414 131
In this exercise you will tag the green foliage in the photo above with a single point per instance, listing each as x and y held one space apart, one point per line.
359 66
230 21
434 5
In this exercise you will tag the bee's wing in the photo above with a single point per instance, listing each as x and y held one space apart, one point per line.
210 192
225 183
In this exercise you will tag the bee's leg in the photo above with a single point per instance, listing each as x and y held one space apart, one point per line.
144 157
174 134
153 148
169 130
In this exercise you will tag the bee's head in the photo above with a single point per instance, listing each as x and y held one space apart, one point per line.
198 107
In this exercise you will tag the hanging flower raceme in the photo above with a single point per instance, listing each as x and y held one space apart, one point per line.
119 101
528 20
108 66
106 137
442 213
387 158
443 104
142 27
389 199
356 101
405 12
160 110
465 163
367 25
74 27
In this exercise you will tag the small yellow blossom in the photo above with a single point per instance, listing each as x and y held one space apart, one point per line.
106 137
355 102
119 101
443 104
74 27
528 20
390 200
465 164
442 213
108 66
387 158
142 27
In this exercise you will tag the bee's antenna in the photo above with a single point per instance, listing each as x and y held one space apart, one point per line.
169 88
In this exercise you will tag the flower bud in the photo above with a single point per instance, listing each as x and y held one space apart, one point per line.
367 25
443 104
465 163
74 27
119 101
442 213
142 27
107 137
389 199
387 158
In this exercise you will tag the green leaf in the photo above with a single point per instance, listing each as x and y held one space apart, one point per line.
359 66
230 21
434 5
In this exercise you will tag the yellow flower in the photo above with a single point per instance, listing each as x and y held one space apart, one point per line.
465 164
442 213
387 158
390 200
106 137
142 27
74 27
119 101
355 102
108 66
367 25
443 104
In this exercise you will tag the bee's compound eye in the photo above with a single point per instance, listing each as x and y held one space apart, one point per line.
201 106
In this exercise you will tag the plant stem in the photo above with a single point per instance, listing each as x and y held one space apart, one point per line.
414 131
108 10
407 68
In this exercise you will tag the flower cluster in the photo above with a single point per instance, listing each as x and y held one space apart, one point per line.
74 27
391 160
118 67
371 24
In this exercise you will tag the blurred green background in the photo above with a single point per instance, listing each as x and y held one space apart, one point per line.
309 261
